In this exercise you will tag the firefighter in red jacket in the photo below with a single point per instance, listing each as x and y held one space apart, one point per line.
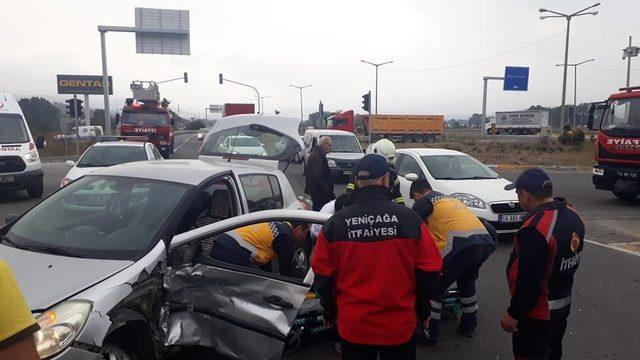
546 255
373 260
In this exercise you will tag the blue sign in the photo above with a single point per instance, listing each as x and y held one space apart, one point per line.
516 78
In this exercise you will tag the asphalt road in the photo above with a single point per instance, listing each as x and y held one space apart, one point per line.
605 314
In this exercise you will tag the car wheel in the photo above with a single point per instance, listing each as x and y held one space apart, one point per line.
36 189
117 352
628 196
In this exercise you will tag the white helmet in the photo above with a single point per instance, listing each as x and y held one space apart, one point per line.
385 148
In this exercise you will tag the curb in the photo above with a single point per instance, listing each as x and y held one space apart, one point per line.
544 167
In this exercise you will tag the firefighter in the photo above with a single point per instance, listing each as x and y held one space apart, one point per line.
553 232
387 149
464 243
372 261
270 246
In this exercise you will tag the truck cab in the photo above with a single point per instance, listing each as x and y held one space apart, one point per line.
617 150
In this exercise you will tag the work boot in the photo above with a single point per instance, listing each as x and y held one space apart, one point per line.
429 332
468 324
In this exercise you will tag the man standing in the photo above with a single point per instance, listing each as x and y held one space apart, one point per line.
374 260
464 243
319 182
555 223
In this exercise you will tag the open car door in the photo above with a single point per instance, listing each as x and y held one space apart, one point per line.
242 312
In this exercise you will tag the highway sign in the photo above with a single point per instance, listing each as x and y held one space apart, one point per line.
82 84
162 31
516 78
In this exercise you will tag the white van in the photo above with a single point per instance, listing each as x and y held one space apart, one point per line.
20 166
344 156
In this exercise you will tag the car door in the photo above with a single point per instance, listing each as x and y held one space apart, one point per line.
242 312
407 164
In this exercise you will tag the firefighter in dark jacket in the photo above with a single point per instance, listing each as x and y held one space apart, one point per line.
552 229
387 149
319 182
373 261
464 243
546 255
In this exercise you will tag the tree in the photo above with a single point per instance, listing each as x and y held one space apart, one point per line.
97 118
41 115
475 120
195 125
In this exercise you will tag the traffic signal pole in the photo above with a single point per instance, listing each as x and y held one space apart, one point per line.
371 120
75 110
87 111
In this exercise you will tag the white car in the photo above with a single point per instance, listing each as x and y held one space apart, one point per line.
461 176
108 153
344 155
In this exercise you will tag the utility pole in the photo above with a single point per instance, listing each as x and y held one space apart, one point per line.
628 53
75 110
568 17
575 85
300 88
377 66
222 79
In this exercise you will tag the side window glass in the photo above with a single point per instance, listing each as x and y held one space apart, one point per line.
409 165
398 160
262 192
210 205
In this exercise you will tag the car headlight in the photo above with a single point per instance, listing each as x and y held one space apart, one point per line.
31 156
59 326
598 171
331 163
469 200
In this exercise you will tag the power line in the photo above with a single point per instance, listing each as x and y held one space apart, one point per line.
608 69
447 67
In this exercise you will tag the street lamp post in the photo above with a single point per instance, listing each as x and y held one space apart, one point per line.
261 102
568 17
628 53
575 84
377 66
301 109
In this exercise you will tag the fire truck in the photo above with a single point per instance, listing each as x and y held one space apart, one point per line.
617 150
146 115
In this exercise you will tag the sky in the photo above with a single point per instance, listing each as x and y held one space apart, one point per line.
273 44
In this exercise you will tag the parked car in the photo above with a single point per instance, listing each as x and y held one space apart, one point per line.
20 166
109 153
461 176
343 157
113 265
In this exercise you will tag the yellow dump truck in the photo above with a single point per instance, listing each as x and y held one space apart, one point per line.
405 128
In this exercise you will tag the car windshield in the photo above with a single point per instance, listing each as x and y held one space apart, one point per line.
457 167
145 118
13 129
255 141
112 155
345 144
98 217
622 114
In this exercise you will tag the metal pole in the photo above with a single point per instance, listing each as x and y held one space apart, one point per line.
484 107
87 110
575 90
564 74
377 89
301 111
75 110
105 83
370 119
629 66
205 114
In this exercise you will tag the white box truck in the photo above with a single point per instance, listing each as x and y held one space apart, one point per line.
527 122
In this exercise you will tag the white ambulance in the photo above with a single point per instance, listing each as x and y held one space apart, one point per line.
20 166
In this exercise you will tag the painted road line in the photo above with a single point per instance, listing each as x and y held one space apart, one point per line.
183 143
622 247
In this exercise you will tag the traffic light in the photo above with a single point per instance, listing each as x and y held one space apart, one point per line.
220 78
186 78
80 108
366 102
72 107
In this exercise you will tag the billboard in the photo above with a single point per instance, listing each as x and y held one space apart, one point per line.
162 31
516 78
82 84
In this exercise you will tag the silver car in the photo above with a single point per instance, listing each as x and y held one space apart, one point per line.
109 264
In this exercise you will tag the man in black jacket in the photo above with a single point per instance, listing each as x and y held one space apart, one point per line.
319 182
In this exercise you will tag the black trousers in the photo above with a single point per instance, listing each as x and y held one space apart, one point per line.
351 351
317 203
557 328
530 341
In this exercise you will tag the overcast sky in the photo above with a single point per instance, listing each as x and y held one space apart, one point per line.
271 44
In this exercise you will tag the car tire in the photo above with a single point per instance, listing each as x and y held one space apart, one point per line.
627 196
114 351
36 189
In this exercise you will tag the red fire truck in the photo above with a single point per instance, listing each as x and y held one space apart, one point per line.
617 150
146 115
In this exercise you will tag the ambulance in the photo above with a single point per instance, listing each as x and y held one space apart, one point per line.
20 166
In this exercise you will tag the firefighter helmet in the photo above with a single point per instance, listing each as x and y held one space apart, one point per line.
385 148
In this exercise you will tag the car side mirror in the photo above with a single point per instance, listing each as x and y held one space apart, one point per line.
10 218
592 109
70 163
173 122
117 118
40 142
411 176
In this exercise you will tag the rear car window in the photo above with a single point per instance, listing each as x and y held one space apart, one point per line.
262 192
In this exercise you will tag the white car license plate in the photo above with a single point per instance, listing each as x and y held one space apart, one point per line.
511 218
628 174
7 179
347 172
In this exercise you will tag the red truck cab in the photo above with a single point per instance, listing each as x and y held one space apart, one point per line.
152 120
617 150
344 120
